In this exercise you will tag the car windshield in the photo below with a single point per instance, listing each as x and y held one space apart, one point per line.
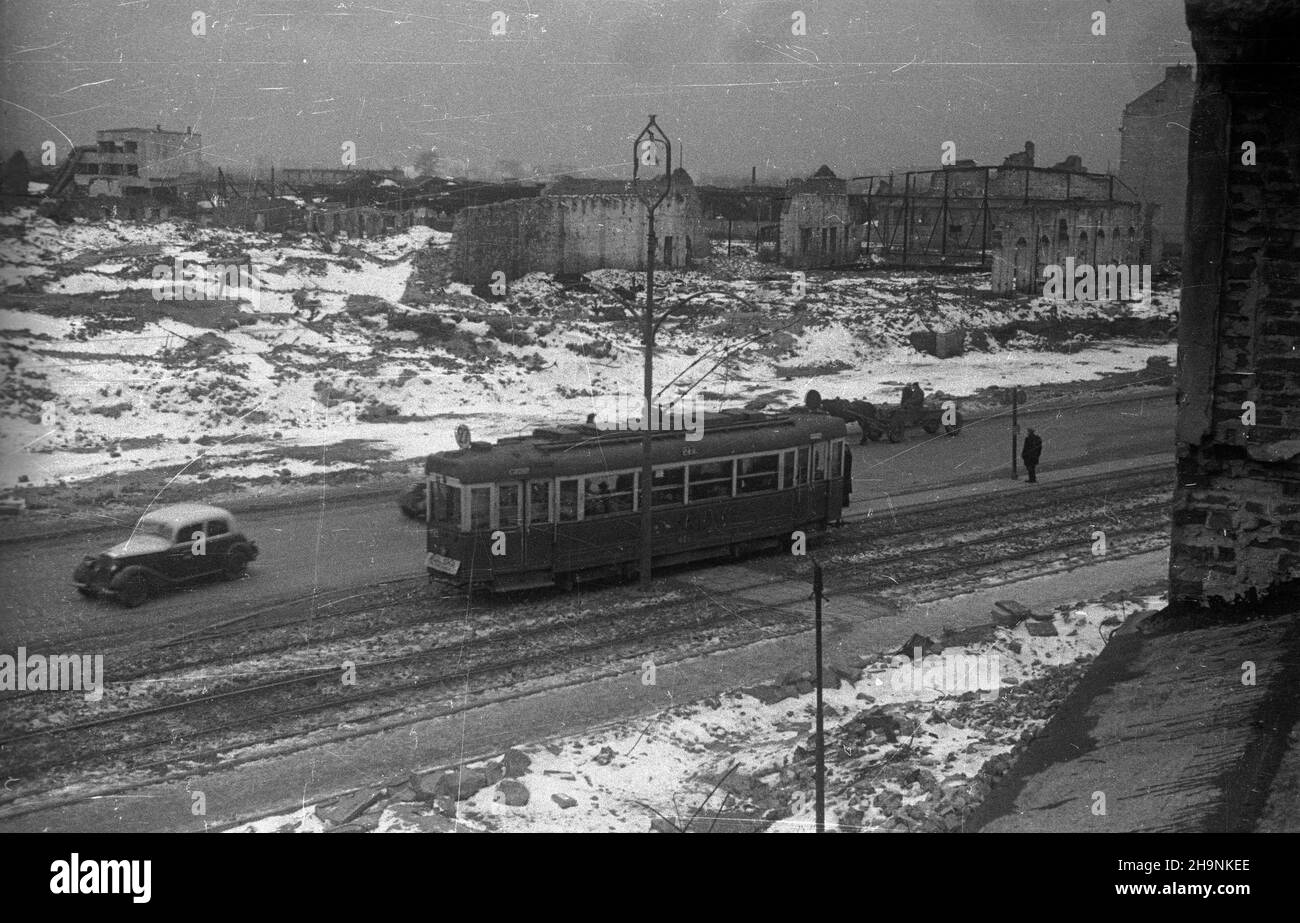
153 527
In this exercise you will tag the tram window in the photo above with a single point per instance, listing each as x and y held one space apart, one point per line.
837 458
446 504
710 480
819 461
608 493
569 500
507 506
787 462
757 474
480 507
669 486
801 468
539 501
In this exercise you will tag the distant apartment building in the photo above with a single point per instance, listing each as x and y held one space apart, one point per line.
137 161
1153 154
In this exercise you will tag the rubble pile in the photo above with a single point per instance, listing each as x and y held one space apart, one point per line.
899 758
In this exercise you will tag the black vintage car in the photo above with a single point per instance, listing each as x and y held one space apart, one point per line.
168 547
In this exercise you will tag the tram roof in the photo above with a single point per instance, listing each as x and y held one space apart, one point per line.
585 448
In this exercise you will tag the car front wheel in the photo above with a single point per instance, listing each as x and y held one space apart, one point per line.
133 590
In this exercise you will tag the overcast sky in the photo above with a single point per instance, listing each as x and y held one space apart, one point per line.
872 86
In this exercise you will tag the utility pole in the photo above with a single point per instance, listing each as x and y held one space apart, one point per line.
645 152
821 737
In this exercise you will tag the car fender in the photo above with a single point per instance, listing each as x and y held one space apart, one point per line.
131 570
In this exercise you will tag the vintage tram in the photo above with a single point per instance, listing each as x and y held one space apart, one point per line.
563 505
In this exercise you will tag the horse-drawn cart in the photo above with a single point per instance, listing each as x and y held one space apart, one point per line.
892 423
884 422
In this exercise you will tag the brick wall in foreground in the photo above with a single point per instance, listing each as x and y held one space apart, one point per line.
1236 519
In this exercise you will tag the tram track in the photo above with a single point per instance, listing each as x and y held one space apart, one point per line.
406 603
763 620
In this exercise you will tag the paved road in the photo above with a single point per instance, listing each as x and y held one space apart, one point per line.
305 549
344 543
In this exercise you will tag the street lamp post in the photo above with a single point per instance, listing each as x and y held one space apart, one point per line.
645 152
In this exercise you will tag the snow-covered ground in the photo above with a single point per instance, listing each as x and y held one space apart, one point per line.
351 342
908 747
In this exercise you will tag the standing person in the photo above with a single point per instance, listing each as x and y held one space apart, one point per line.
1030 454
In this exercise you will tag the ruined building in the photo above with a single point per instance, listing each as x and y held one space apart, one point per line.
1028 236
1153 153
1236 519
136 162
1016 218
817 228
577 225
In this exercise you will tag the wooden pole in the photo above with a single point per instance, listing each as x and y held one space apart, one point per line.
647 465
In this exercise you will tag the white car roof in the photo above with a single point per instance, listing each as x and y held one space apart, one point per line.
184 514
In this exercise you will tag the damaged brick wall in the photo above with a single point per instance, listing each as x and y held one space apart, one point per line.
1236 518
573 234
817 230
1024 240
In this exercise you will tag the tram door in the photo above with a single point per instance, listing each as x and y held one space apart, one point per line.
510 498
539 534
820 472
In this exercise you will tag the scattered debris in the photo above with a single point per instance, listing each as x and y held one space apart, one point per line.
1008 613
512 793
350 807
